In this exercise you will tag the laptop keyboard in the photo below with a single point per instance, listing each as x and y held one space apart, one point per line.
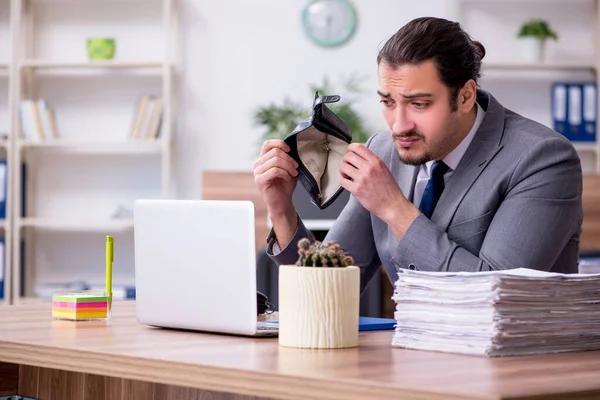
262 326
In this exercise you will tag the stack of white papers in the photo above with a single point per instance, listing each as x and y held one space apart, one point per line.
501 313
589 266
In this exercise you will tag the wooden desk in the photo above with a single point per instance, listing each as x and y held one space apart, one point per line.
129 361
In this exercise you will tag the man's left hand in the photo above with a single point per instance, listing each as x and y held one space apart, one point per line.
368 178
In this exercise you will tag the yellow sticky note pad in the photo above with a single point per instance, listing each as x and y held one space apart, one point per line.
80 305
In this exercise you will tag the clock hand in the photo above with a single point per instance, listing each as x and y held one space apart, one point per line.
329 26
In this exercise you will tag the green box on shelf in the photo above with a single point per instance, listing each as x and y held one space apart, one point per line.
101 48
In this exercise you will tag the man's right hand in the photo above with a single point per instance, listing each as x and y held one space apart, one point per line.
275 174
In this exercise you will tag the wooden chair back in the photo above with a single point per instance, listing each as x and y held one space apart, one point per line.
590 235
225 185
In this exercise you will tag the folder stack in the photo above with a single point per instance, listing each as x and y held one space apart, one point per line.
499 313
574 110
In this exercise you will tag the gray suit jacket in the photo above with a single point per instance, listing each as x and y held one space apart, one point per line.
513 201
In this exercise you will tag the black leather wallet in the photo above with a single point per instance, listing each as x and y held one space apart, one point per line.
262 304
318 145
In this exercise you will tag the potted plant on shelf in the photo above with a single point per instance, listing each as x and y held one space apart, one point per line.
319 298
533 36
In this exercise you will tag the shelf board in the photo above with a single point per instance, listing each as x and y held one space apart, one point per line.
104 225
32 300
96 64
318 224
593 147
78 146
537 66
80 2
565 2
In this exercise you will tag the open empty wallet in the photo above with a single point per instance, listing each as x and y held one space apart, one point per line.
318 145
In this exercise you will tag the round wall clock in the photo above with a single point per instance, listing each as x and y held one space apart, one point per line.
329 23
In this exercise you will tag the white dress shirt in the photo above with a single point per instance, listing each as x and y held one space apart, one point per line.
451 159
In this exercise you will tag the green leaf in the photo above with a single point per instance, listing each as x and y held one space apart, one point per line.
538 28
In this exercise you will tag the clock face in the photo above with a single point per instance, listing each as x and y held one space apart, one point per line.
329 22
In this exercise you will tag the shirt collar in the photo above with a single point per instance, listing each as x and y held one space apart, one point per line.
452 159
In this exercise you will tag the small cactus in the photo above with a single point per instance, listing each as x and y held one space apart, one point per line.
317 254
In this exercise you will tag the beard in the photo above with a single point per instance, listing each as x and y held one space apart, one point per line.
413 159
437 151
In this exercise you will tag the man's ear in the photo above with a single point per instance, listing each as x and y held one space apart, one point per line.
467 96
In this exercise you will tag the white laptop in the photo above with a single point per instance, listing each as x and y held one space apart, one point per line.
195 266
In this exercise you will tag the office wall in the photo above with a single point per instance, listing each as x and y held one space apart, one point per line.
239 54
236 55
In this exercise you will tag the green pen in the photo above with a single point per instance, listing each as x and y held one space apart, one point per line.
109 261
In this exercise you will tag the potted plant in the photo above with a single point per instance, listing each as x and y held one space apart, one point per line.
533 36
278 120
319 298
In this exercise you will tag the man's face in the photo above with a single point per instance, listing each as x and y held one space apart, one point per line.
416 107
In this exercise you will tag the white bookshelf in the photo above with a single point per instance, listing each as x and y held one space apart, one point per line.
90 225
75 146
6 82
97 64
76 183
525 87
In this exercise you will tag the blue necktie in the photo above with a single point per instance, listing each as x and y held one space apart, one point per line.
434 188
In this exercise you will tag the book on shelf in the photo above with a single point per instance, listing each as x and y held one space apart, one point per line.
147 118
38 120
499 313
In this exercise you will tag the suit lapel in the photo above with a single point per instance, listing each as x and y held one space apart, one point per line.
408 177
483 148
405 175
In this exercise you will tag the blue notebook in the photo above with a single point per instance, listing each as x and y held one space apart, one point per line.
368 323
375 324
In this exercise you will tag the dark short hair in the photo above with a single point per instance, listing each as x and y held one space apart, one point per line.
456 56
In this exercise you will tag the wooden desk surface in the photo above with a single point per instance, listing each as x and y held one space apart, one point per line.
259 367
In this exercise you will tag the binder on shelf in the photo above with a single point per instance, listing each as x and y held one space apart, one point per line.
3 188
2 268
559 108
590 111
23 190
574 110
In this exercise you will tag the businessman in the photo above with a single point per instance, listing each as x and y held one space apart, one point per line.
459 183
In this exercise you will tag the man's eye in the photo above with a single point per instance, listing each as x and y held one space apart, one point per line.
420 105
386 103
